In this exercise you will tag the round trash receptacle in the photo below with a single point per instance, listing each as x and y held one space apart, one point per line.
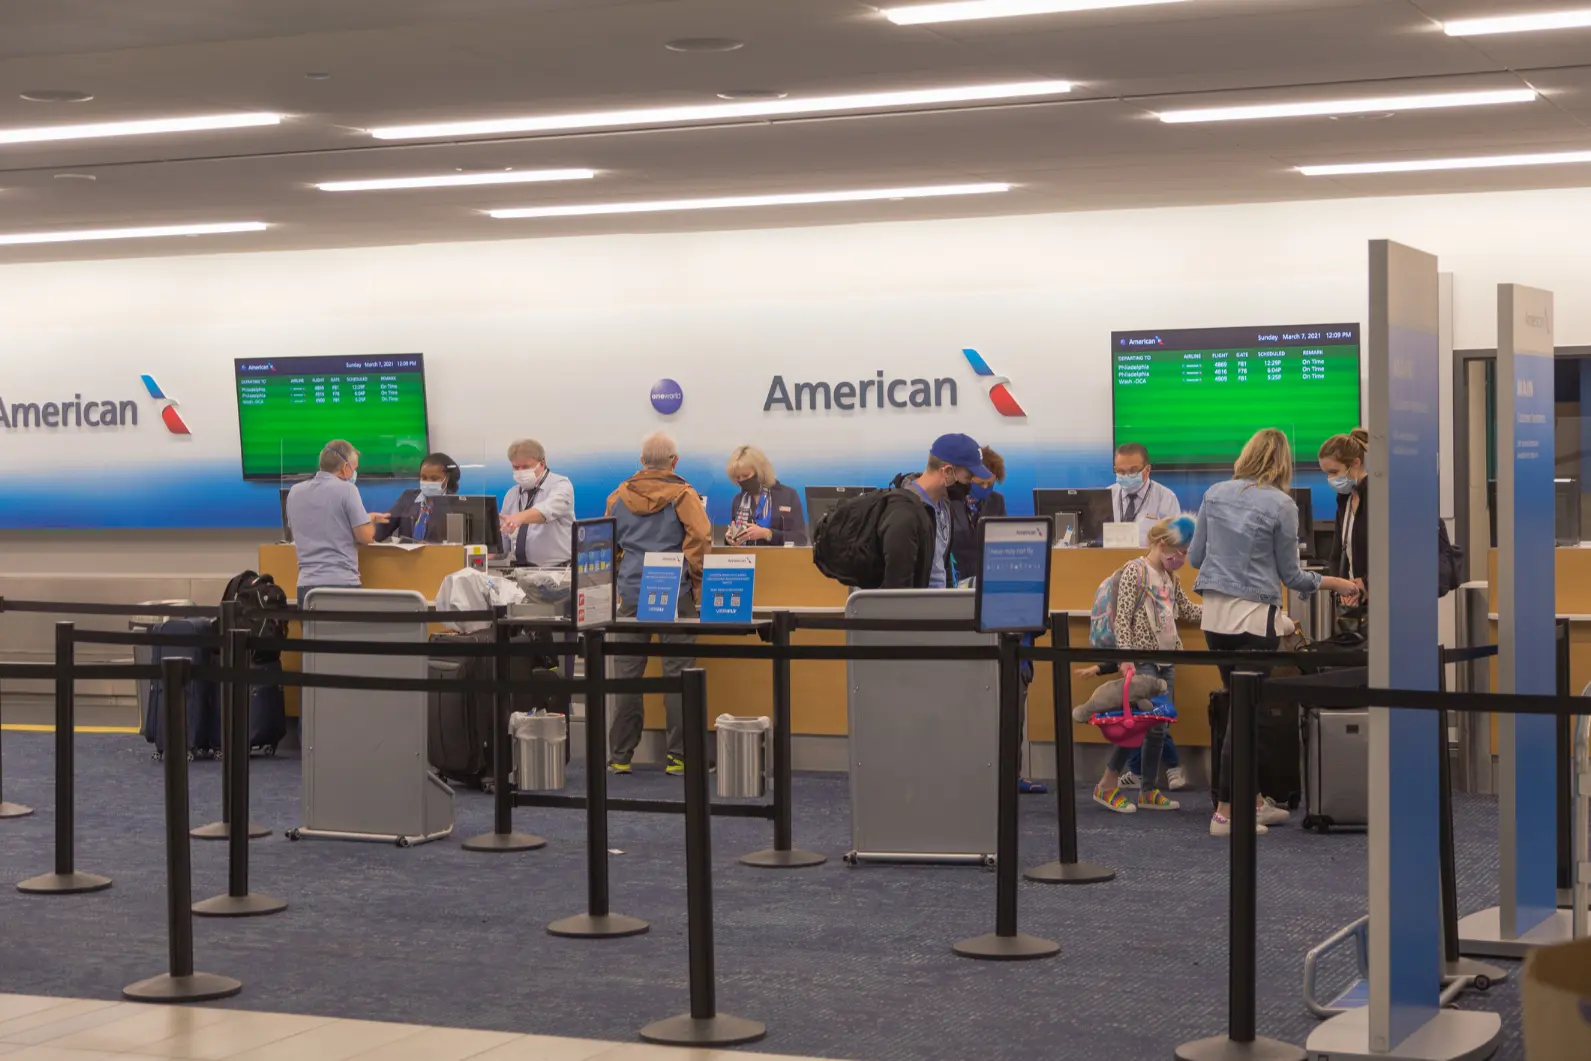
742 757
539 742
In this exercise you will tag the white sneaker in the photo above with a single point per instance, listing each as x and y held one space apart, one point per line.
1128 779
1268 813
1176 778
1220 826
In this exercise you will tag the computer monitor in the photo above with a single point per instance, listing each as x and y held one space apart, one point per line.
480 517
822 499
1091 510
1304 498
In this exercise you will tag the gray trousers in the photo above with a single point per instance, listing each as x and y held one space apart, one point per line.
629 709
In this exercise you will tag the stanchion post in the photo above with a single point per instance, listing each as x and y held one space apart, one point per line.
1242 960
66 880
1480 974
222 830
782 855
1068 870
1565 776
1005 943
703 1025
598 922
9 810
236 901
180 983
502 839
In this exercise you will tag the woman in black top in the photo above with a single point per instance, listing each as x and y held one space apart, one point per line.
765 512
411 516
1342 458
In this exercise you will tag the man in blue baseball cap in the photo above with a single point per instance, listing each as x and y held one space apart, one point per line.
915 539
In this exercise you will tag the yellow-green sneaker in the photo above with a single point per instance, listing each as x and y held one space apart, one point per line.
618 767
676 766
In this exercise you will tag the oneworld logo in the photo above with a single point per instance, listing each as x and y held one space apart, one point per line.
667 397
168 412
1000 395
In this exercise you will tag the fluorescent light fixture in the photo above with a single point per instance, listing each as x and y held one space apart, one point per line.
1350 106
970 10
739 201
1476 27
83 235
457 180
710 112
43 133
1427 164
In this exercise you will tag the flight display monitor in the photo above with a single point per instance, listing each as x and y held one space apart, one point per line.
1193 397
290 407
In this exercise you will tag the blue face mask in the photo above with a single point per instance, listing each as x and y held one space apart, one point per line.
431 489
979 491
1343 484
1129 483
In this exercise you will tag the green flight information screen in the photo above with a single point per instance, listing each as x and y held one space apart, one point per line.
290 407
1194 397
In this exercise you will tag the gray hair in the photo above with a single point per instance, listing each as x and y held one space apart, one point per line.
336 454
658 449
527 449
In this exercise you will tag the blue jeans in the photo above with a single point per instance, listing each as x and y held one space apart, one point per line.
1148 756
1168 757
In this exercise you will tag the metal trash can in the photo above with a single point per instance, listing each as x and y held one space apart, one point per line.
540 741
742 757
144 655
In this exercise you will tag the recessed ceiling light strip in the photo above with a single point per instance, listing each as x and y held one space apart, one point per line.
456 180
742 201
1425 165
84 235
714 112
1431 101
1544 20
201 123
970 10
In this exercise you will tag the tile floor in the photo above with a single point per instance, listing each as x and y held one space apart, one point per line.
66 1029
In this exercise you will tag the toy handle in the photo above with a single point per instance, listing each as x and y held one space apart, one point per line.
1127 672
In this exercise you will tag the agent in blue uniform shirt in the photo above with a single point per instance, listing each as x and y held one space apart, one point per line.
411 517
765 512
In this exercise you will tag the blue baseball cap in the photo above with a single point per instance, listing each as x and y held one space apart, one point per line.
963 452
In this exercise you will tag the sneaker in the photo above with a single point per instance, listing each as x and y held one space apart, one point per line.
1222 826
1030 788
1151 799
1128 779
1176 778
618 767
676 766
1114 800
1268 813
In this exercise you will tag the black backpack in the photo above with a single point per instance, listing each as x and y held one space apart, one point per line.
256 596
1449 562
845 544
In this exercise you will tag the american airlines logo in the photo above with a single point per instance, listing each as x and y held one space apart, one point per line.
1000 395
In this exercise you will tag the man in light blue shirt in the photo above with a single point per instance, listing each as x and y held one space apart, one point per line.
329 522
1135 497
538 514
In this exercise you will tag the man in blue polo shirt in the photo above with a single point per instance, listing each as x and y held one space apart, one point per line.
329 522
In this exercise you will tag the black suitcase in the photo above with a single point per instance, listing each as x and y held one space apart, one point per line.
204 702
459 723
1279 752
267 714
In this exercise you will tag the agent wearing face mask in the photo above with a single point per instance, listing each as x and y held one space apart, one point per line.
1135 497
1342 458
765 511
412 516
538 514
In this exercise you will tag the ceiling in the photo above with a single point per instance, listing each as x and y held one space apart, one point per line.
406 61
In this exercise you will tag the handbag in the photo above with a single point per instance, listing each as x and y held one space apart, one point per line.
1128 730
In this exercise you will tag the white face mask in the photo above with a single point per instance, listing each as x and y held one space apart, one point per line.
527 476
431 489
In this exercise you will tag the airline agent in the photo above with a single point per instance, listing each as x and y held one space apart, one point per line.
538 514
1135 497
411 516
766 511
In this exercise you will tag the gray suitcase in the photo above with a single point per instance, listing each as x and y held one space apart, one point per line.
1336 754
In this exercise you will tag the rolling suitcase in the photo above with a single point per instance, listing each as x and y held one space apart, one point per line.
1336 759
204 708
1278 749
267 714
459 723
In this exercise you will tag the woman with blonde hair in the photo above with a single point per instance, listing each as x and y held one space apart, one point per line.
1342 458
1245 548
765 512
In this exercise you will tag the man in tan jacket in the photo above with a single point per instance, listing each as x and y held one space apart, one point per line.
656 511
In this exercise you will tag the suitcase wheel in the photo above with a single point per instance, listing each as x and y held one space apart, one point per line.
1482 983
269 750
158 757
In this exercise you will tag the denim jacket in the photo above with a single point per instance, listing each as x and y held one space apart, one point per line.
1246 544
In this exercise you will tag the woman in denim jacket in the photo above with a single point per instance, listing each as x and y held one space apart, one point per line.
1246 549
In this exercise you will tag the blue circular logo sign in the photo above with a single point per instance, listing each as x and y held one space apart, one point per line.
667 397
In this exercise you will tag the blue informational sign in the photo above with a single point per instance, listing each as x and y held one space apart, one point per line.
1013 589
727 584
660 581
591 592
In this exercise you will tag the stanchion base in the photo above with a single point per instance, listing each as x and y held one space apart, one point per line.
686 1030
223 831
773 858
605 926
200 987
1069 873
1481 934
14 810
503 843
63 884
250 905
1450 1035
996 948
1221 1048
1482 974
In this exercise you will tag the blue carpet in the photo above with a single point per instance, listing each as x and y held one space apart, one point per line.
840 962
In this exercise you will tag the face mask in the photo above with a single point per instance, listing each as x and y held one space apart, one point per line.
1129 483
980 491
958 491
1343 484
751 486
353 476
527 476
431 489
1174 561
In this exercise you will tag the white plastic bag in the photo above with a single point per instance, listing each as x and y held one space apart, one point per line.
469 590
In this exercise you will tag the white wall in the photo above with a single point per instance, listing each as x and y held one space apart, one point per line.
561 338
